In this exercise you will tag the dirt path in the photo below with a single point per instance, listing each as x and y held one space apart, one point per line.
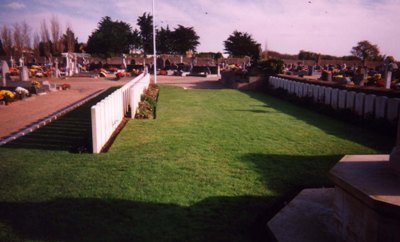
21 114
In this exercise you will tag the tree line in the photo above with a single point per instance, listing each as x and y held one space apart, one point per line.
113 38
49 41
117 37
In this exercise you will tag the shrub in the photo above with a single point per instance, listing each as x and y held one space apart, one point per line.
271 66
147 106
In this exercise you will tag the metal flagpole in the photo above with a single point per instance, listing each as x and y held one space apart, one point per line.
154 47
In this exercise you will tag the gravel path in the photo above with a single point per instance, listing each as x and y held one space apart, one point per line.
21 114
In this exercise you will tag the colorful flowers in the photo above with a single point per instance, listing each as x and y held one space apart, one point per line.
65 86
6 94
35 84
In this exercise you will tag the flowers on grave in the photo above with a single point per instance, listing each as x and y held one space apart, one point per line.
163 72
6 96
66 86
13 71
21 92
147 106
35 84
120 74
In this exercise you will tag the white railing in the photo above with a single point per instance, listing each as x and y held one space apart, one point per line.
108 114
363 104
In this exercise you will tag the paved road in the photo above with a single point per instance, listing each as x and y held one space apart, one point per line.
21 114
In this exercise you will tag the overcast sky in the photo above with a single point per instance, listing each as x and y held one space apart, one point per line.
288 26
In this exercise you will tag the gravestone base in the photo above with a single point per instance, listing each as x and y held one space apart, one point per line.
364 206
307 218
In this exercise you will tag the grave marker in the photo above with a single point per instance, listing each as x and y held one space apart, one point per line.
4 71
369 105
321 94
334 98
393 106
24 75
380 107
315 93
359 103
328 95
350 98
342 99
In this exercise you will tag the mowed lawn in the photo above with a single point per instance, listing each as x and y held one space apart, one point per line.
213 166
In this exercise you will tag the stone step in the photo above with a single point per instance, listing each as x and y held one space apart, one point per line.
307 218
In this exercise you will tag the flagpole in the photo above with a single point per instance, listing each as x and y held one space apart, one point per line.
154 48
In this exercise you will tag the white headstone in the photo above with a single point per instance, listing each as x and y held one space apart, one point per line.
388 79
342 99
76 66
393 106
24 75
291 87
4 71
359 103
380 107
285 84
334 98
12 62
369 105
315 89
350 99
328 95
299 89
321 94
124 62
310 90
21 62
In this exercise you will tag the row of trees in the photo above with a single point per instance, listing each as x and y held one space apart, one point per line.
363 51
113 38
117 37
49 41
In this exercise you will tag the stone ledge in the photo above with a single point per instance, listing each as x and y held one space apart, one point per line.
307 218
369 179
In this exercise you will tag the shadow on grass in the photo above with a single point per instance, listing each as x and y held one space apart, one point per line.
71 132
240 218
288 174
70 219
369 138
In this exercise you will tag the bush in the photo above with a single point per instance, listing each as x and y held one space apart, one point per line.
271 66
147 106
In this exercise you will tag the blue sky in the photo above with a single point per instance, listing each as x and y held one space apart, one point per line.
288 26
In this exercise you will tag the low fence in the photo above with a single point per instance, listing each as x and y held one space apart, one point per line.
363 104
108 114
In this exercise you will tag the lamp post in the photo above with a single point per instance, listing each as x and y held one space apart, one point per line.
154 48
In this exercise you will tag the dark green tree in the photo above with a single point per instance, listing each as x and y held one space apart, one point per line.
145 23
164 41
271 66
184 39
241 44
307 55
110 38
136 42
365 51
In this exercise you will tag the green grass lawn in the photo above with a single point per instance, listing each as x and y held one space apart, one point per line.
213 166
